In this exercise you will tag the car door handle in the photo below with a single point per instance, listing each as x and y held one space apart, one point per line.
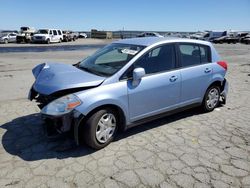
207 70
173 78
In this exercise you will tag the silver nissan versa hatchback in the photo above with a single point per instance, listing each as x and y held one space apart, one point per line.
126 83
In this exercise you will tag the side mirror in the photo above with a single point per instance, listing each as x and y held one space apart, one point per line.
138 73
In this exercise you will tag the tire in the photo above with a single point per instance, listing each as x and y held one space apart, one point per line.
48 41
105 119
211 99
6 41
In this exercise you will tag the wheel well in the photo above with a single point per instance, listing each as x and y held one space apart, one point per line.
117 109
217 83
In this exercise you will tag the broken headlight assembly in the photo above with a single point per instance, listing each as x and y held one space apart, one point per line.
61 105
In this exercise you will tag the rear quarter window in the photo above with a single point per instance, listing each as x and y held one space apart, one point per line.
205 54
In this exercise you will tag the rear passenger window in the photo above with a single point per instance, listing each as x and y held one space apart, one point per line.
54 32
59 32
158 60
192 54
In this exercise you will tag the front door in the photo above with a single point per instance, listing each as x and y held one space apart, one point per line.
159 90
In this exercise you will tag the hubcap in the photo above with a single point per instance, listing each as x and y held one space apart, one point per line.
105 128
213 98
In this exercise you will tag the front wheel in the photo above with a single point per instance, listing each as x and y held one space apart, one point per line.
211 98
6 41
100 128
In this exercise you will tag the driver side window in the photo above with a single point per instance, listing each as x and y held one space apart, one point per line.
159 59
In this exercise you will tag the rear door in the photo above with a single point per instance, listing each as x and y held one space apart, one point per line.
55 36
159 89
196 71
51 35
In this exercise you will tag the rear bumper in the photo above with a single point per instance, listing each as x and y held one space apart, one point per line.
224 91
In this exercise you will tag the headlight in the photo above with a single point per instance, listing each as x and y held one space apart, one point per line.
62 105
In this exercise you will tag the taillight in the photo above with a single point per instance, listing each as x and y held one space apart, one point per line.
223 64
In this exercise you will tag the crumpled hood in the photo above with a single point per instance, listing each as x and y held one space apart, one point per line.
53 77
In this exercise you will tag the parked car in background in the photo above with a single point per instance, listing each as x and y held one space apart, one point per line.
198 35
127 83
48 36
242 35
83 35
7 37
208 35
211 35
25 34
174 35
69 36
149 34
229 38
245 39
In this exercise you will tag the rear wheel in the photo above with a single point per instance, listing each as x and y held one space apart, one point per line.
211 98
100 128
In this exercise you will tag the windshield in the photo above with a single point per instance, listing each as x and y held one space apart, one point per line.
110 59
43 31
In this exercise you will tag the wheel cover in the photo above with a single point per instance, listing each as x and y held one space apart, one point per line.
105 127
212 98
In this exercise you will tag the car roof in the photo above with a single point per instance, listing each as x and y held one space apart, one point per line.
148 41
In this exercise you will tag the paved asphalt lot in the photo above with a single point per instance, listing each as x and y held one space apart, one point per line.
189 149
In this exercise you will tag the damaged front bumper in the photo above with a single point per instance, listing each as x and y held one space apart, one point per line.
64 125
60 125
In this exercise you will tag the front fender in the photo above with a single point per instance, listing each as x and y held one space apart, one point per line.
111 94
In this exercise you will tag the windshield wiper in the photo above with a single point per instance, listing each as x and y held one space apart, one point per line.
91 71
77 64
85 69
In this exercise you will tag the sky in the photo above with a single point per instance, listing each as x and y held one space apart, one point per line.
113 15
